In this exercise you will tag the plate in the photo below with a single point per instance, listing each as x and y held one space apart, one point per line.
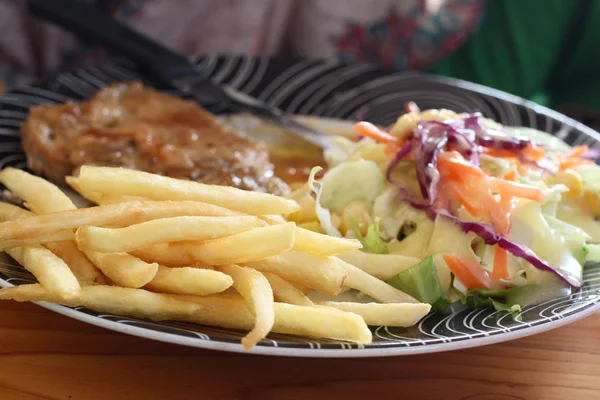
335 91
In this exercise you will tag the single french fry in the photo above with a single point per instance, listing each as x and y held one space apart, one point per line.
323 245
303 288
117 198
315 322
274 219
35 191
85 272
285 292
124 269
323 274
187 280
108 180
49 270
257 293
93 197
317 243
243 247
115 215
307 212
381 266
114 240
369 285
393 314
314 226
137 303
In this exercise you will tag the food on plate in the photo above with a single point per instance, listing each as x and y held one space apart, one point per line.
258 295
455 207
189 280
129 125
172 257
110 299
121 181
114 240
441 210
124 269
391 314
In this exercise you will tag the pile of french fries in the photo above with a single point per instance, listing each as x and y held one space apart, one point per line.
166 249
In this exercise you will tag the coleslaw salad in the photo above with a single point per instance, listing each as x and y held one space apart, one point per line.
487 214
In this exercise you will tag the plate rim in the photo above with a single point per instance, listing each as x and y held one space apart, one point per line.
273 351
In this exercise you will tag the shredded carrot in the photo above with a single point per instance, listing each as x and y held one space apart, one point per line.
578 151
573 162
524 169
500 153
500 263
533 152
514 189
511 175
469 273
574 159
367 129
473 188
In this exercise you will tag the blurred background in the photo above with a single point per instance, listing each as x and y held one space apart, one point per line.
542 50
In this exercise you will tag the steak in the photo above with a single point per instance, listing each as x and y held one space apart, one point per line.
129 125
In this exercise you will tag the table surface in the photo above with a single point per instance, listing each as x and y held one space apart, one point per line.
48 356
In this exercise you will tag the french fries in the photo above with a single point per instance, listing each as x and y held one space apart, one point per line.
31 188
285 292
110 299
257 292
323 245
51 271
377 289
123 181
243 247
93 197
85 272
121 214
124 269
188 280
315 322
397 314
381 266
180 250
116 198
114 240
317 243
44 197
324 274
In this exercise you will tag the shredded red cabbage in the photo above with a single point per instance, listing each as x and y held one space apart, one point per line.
591 154
473 122
403 152
466 135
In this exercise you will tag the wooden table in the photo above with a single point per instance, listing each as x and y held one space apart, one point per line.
48 356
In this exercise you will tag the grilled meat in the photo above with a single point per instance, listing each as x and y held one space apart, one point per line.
129 125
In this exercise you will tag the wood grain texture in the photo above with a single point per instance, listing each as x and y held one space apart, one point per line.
47 356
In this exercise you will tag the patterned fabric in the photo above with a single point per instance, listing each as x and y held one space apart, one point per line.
400 34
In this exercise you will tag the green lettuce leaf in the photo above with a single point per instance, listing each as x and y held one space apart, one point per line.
421 282
372 242
501 300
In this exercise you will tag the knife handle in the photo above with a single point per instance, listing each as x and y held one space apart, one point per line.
95 25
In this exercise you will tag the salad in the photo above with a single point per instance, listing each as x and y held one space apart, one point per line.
456 207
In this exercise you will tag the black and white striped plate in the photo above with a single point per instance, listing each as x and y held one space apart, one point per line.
334 91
